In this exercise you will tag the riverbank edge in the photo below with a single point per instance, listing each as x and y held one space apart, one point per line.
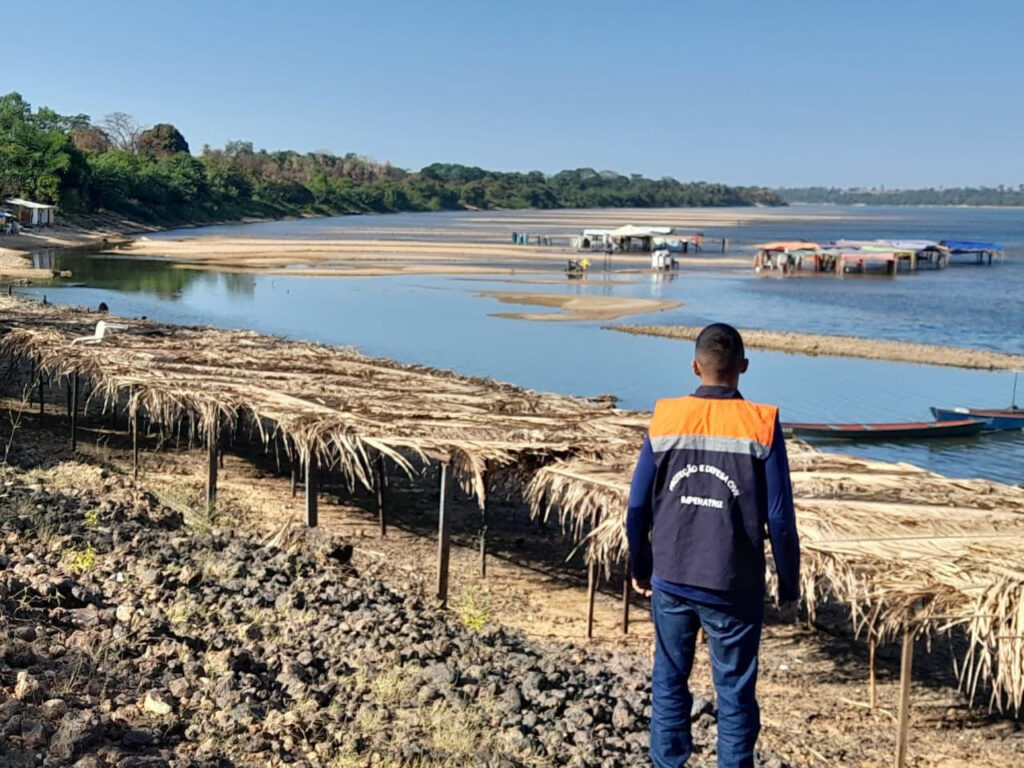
813 345
88 232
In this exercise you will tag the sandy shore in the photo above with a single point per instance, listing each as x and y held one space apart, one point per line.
92 232
848 346
386 255
577 306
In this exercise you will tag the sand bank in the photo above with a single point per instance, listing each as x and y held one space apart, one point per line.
577 306
848 346
387 255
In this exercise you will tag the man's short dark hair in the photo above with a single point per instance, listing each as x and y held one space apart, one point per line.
720 349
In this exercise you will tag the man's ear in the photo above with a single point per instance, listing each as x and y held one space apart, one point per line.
696 368
746 364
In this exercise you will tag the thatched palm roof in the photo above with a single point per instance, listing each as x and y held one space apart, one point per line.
903 547
336 402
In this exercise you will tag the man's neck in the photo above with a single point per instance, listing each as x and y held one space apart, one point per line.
732 384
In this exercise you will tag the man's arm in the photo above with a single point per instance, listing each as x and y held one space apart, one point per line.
782 519
639 516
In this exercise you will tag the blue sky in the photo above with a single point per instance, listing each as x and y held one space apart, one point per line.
774 92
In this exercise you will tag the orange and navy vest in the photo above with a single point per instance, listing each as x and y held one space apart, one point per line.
710 498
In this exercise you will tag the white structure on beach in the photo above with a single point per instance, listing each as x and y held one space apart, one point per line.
33 214
621 239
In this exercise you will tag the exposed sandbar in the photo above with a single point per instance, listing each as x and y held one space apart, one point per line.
577 306
848 346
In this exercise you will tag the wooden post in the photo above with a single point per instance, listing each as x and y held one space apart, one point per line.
42 403
839 266
625 597
872 684
903 720
483 540
295 475
312 481
592 576
74 411
444 534
378 484
135 443
212 438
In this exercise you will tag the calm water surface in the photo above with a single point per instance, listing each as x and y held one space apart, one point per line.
442 321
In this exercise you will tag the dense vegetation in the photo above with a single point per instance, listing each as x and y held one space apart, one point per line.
1001 195
150 174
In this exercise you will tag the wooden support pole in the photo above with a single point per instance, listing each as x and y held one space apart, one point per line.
444 513
592 576
42 401
903 718
312 483
74 411
378 485
872 682
295 476
135 443
212 440
625 597
483 540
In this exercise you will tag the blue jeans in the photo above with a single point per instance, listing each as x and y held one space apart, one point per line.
733 640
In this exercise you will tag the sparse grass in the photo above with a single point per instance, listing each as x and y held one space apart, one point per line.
473 609
393 687
91 518
80 560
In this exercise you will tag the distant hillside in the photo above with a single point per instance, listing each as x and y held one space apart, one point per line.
1001 195
150 175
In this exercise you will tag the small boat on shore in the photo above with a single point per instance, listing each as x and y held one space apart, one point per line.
899 431
997 418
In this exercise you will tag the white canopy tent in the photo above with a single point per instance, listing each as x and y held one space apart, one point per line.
28 212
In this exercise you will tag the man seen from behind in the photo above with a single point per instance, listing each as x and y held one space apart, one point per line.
712 482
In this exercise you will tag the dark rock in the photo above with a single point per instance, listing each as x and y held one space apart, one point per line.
702 705
78 731
511 701
140 737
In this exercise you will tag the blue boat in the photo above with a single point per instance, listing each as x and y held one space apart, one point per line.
998 418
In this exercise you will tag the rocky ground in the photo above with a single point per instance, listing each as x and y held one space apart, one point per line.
134 635
136 631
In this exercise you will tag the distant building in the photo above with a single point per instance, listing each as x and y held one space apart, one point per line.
31 214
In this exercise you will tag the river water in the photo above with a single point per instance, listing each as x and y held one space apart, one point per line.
444 322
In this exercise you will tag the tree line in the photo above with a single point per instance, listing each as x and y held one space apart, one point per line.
1001 195
150 174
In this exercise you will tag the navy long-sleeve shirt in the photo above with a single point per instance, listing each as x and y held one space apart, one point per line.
780 515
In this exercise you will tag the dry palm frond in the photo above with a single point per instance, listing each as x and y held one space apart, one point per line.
927 556
908 550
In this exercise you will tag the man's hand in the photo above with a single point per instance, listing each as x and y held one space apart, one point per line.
642 587
787 611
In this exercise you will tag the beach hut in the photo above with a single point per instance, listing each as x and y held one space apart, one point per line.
632 238
30 213
679 243
786 255
980 251
593 240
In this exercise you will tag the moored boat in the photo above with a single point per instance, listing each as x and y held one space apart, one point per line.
998 418
898 431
